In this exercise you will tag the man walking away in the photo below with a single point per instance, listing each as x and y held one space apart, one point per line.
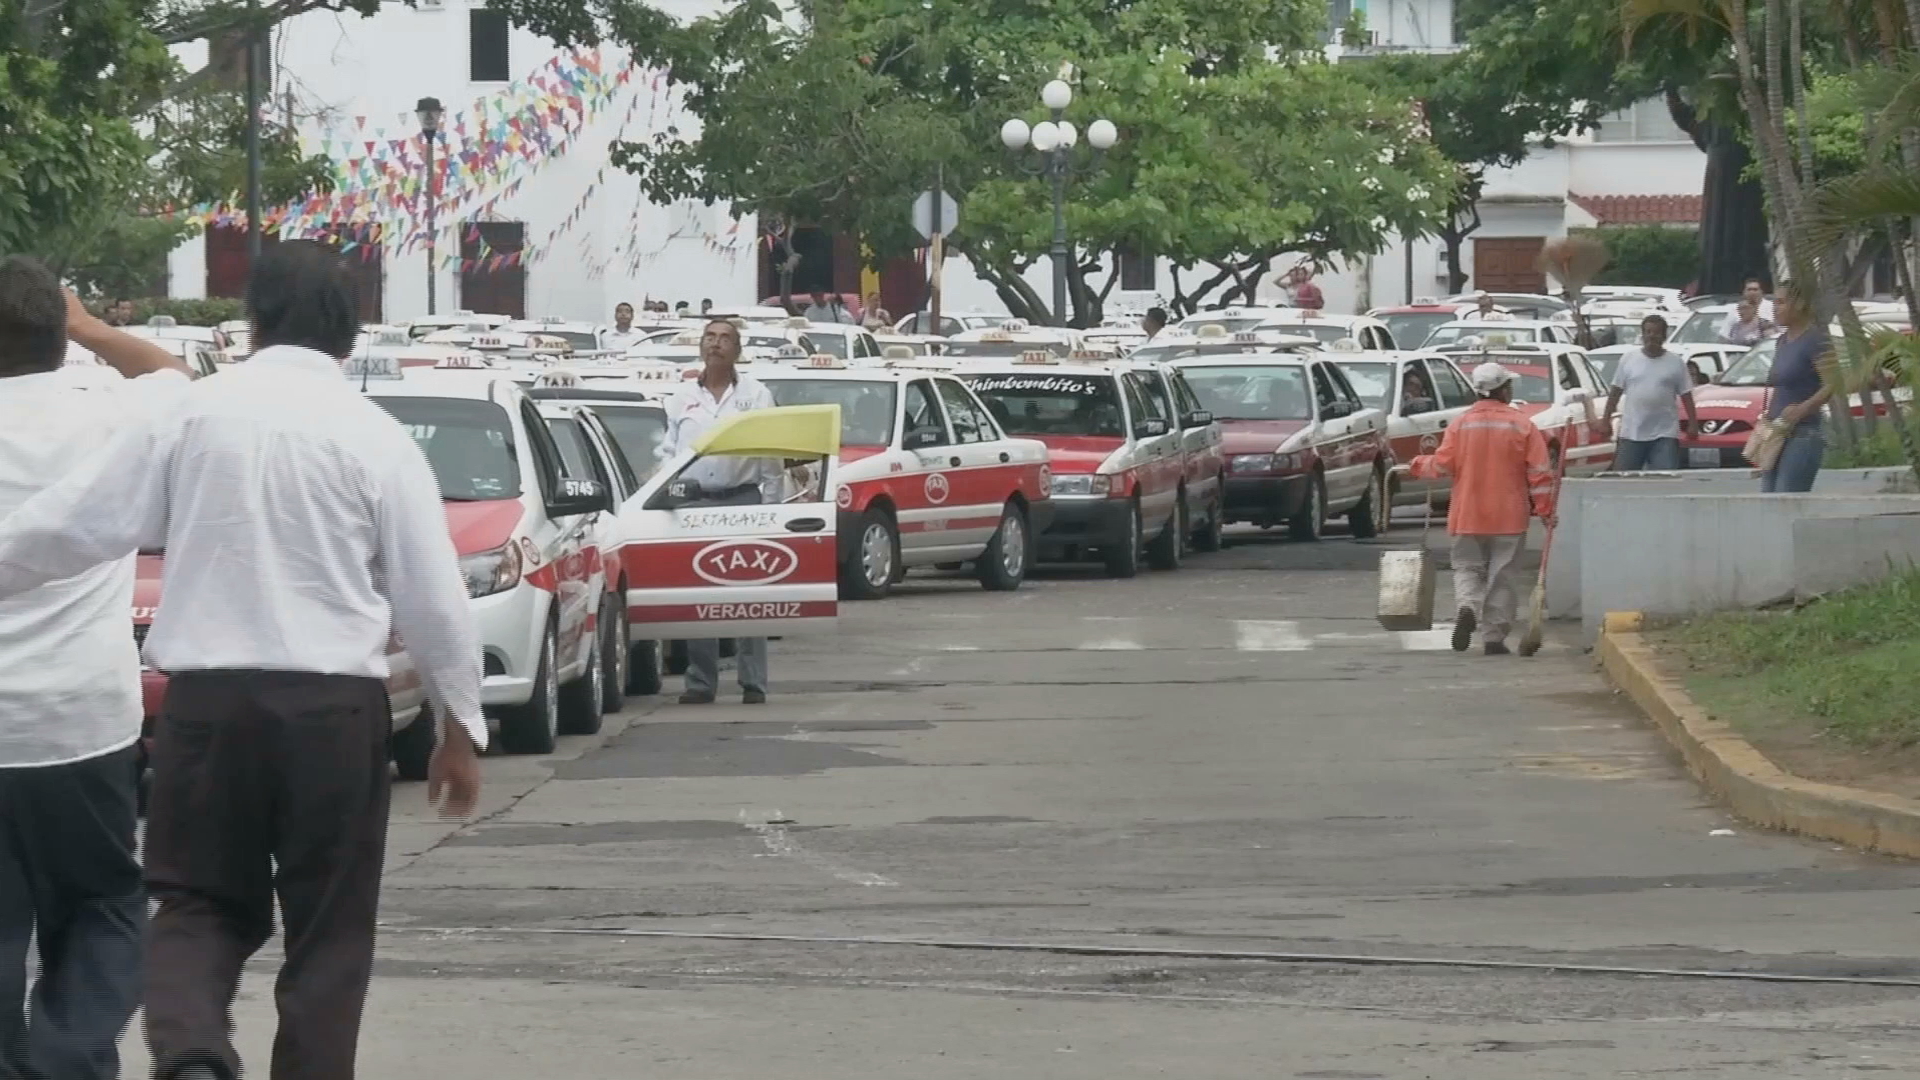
1501 478
302 527
1649 389
722 391
69 702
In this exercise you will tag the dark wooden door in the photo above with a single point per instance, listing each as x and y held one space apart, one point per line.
489 283
227 262
1508 264
365 263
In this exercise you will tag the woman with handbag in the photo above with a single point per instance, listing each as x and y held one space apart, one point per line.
1789 444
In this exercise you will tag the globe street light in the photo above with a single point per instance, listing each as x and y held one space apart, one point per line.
1053 141
430 113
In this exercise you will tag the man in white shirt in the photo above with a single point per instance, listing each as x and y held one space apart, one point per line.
1751 320
623 334
69 700
1649 389
302 527
827 308
722 391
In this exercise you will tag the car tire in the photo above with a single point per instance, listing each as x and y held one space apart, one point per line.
1166 550
1123 560
581 699
1308 522
616 653
1211 536
1365 521
1003 566
868 574
412 746
644 676
534 727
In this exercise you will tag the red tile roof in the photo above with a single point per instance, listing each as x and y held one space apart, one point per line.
1641 209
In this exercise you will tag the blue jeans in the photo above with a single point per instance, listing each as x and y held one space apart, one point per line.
1798 464
1660 455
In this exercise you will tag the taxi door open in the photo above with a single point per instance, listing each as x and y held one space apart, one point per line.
706 564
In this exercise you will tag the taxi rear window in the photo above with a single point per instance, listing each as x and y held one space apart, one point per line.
1002 350
866 408
1246 392
1049 403
468 443
639 431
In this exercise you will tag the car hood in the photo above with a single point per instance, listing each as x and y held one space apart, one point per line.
482 526
1257 436
1077 453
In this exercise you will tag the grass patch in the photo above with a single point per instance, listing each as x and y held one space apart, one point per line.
1849 665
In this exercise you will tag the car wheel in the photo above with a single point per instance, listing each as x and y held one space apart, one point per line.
868 574
533 728
1211 536
1123 559
581 700
1003 566
412 746
643 668
616 653
1167 548
1308 521
1365 519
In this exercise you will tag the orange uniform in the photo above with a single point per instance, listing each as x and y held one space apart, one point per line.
1501 474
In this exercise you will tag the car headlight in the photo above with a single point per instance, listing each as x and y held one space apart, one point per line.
1253 463
490 572
1083 484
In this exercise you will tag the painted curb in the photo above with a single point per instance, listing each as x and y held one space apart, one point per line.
1751 785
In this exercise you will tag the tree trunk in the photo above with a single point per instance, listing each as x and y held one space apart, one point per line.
1733 217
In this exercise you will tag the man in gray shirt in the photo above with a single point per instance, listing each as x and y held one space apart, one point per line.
1649 390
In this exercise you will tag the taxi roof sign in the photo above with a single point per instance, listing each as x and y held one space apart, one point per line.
1014 325
824 360
689 337
997 335
392 336
1245 337
488 341
162 321
790 351
458 362
1036 356
367 367
1089 354
559 379
898 352
1346 344
1211 330
799 322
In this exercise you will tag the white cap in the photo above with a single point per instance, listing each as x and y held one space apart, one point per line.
1489 377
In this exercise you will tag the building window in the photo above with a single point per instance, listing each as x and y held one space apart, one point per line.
1647 122
487 38
1136 271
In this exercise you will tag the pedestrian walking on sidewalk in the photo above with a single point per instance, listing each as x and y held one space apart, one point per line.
1650 388
1797 394
1501 480
723 480
302 527
69 701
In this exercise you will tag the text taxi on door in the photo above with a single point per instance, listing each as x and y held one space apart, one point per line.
525 533
1119 476
925 477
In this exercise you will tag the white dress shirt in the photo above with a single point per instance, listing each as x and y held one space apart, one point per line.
694 410
69 672
302 526
617 340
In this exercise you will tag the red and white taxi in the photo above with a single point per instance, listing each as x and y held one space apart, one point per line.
1203 458
1119 480
1732 404
1300 443
1421 393
525 532
1564 396
925 477
1010 340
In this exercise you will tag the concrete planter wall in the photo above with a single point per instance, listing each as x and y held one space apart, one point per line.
1830 554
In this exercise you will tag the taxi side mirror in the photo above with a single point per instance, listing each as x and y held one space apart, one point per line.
579 497
922 438
1147 429
1199 418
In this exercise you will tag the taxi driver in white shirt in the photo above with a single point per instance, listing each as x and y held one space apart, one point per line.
722 391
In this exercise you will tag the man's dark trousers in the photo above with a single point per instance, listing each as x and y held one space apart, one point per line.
266 783
68 877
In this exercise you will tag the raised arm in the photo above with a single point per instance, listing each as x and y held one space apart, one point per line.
129 355
108 507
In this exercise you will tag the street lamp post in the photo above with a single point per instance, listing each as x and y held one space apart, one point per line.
1054 141
430 114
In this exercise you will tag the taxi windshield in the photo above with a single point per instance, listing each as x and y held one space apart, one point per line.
1753 369
1002 350
1490 333
1232 323
834 345
1700 328
1410 328
1372 380
638 430
468 443
1052 404
1531 386
866 407
578 342
1246 392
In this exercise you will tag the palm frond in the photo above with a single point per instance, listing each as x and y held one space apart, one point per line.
1691 15
1847 203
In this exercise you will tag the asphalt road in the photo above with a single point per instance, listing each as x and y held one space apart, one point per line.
1228 759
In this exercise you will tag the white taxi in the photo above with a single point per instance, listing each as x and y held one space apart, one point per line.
1371 334
503 343
1420 393
1011 340
1214 340
1235 318
1471 335
1566 399
581 337
1301 445
846 342
925 475
1118 471
525 535
431 324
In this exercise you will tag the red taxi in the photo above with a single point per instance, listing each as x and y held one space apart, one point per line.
925 476
1558 389
1119 478
1730 405
1300 443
